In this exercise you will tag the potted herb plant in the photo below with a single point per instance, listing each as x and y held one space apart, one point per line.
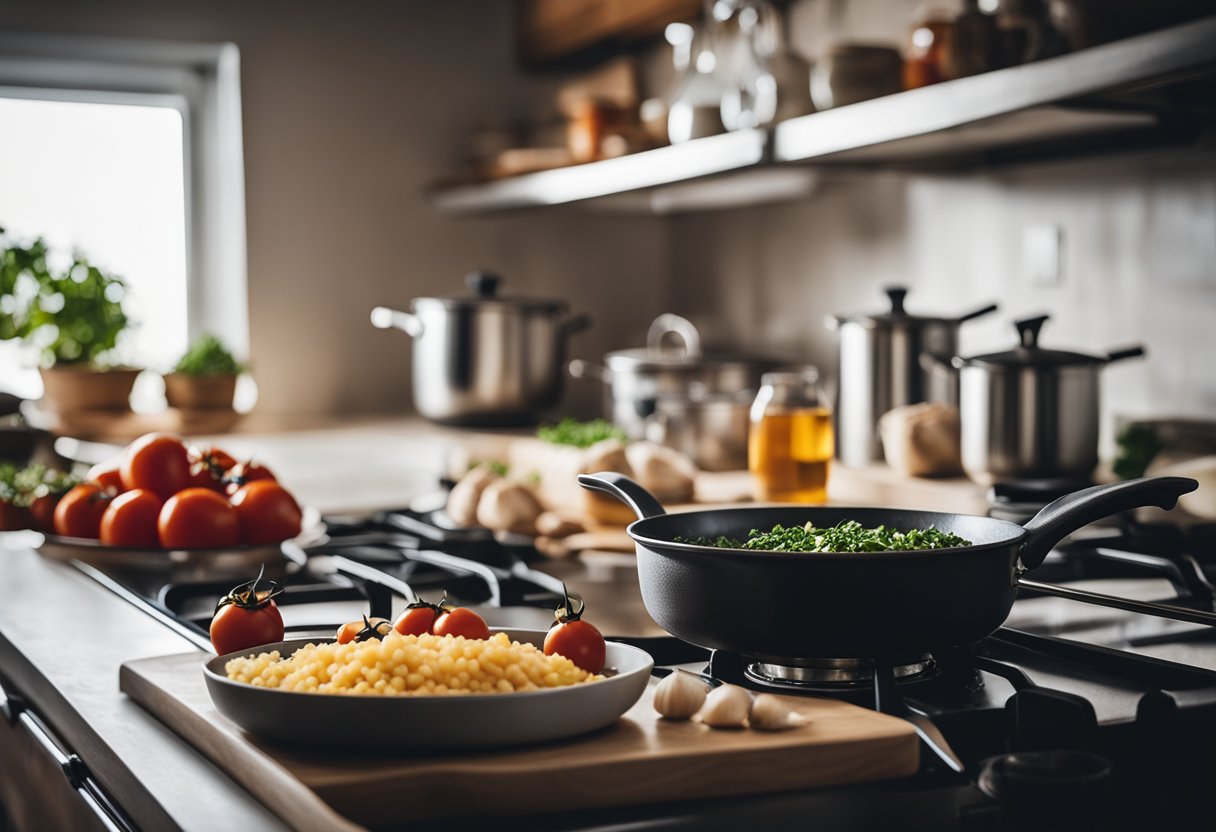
74 320
205 377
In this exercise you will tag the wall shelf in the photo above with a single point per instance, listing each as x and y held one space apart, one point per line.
1151 90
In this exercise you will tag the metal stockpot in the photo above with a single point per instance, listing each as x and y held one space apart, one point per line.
1031 413
484 359
880 369
680 397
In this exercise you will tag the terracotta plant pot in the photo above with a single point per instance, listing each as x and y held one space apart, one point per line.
69 388
199 392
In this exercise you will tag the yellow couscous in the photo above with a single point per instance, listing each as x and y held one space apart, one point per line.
400 665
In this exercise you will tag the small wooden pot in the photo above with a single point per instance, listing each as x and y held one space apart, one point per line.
199 392
68 388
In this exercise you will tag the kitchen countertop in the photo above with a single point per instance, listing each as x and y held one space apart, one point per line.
63 637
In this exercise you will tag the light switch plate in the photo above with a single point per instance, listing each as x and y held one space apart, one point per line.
1043 254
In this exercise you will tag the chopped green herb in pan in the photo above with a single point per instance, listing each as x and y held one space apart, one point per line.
846 536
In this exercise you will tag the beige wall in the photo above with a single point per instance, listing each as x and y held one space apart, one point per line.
350 109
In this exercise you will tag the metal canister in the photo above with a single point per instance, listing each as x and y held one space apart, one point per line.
880 368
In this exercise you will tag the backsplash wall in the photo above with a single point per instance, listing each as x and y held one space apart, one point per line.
1139 265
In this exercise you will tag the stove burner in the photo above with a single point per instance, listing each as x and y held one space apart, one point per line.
832 674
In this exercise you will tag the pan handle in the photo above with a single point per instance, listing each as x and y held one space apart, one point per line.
624 489
1073 511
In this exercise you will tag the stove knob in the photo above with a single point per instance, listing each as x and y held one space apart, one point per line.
1048 790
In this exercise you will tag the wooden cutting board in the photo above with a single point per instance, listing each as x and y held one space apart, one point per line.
641 759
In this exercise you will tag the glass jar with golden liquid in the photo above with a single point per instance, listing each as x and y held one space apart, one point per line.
790 443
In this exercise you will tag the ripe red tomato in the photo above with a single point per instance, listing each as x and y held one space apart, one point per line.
461 621
107 475
79 512
266 512
208 467
157 462
417 620
196 518
578 641
131 520
247 617
246 472
363 630
42 511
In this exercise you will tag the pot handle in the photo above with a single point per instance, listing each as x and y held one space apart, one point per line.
978 313
931 362
1130 352
577 323
624 489
1074 511
578 368
683 327
385 318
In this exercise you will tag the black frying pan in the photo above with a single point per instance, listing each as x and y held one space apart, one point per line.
876 604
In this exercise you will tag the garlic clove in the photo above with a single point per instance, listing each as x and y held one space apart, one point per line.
770 713
726 707
679 696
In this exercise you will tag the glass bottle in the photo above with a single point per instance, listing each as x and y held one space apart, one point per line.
790 444
694 109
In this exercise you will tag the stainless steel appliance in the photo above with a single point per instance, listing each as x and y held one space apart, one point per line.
680 396
1031 413
880 368
482 358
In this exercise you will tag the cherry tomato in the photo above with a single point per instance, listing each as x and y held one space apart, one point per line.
363 630
157 462
42 511
208 467
417 620
247 617
107 475
577 640
196 518
79 512
131 520
580 642
266 512
246 472
461 621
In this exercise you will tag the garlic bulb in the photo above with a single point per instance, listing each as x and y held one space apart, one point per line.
466 494
770 713
726 707
679 696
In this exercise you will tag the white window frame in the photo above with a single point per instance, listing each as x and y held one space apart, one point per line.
200 80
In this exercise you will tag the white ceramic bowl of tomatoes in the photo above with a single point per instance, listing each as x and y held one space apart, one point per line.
164 498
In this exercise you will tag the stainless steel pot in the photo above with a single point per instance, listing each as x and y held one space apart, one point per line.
1030 413
680 397
483 359
880 368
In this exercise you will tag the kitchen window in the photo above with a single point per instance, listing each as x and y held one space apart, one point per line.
131 152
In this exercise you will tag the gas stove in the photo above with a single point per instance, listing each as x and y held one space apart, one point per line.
1088 709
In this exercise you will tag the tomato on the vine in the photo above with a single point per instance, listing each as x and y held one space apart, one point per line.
157 462
266 512
247 617
417 619
577 640
244 473
78 513
197 518
363 630
131 520
209 466
460 621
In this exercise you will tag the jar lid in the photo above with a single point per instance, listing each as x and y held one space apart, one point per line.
483 292
1028 353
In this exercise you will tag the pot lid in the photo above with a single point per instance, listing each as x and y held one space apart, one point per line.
483 292
659 355
1028 353
898 316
